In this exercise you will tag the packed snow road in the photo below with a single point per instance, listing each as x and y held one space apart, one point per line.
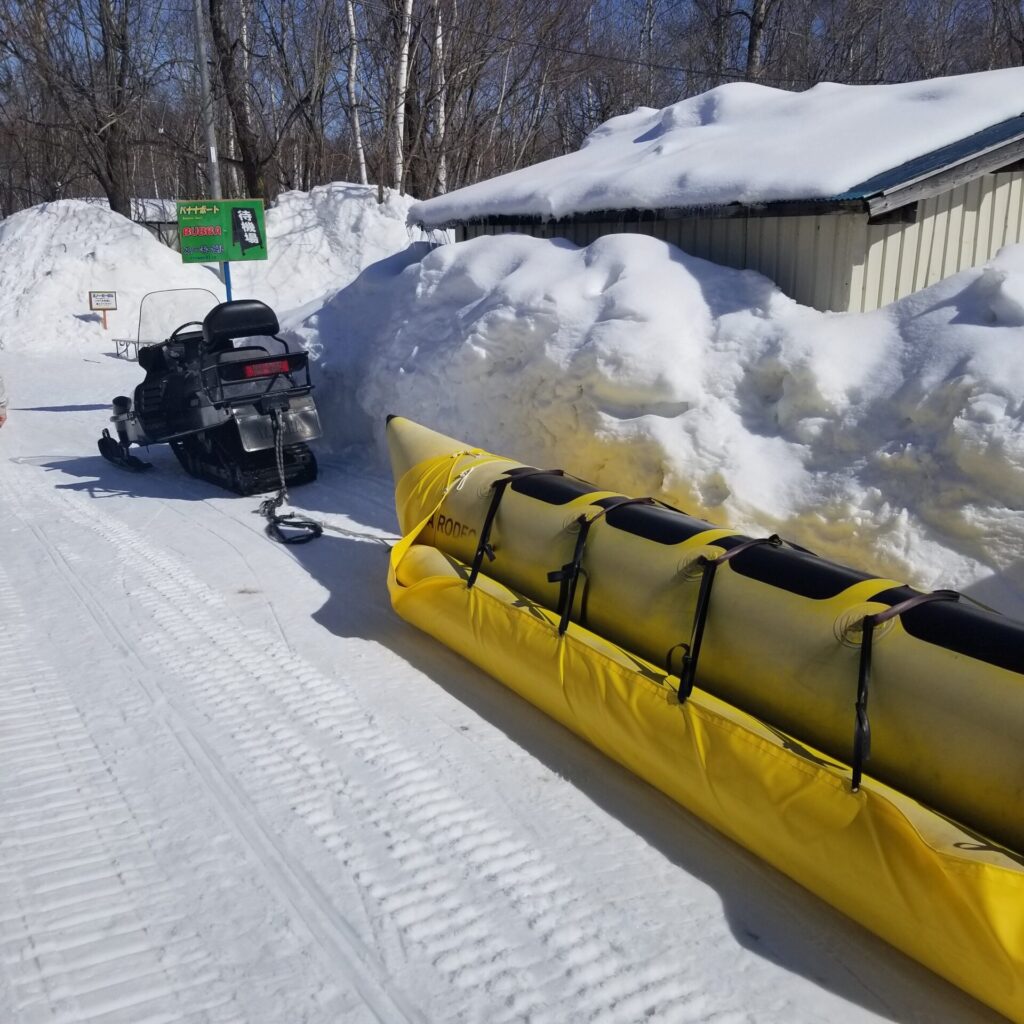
234 787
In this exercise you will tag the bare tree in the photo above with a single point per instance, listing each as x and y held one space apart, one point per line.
98 60
401 87
440 121
101 95
353 99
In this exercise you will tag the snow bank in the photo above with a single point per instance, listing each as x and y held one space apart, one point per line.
744 143
889 440
51 256
319 241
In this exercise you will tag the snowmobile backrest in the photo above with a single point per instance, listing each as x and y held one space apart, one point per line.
244 318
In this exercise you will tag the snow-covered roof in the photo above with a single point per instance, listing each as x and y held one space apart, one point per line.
750 144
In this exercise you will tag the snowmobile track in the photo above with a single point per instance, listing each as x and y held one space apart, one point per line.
339 942
90 927
278 745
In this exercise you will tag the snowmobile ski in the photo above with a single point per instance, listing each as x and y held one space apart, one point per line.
114 451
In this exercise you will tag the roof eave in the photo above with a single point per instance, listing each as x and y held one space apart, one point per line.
926 186
780 208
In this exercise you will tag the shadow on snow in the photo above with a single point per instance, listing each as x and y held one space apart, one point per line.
767 913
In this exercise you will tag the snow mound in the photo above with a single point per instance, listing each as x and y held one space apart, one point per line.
52 256
744 143
889 440
319 241
1002 284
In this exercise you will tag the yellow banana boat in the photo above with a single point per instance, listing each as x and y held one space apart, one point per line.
862 737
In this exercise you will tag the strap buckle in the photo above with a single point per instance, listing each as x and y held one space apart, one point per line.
688 672
862 723
484 546
568 576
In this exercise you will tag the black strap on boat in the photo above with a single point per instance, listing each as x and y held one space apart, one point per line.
862 726
568 576
688 672
498 490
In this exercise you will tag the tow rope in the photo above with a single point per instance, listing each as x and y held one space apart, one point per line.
302 529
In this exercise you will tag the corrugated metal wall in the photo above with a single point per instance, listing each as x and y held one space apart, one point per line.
837 261
958 229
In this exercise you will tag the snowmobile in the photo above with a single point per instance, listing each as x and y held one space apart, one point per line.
239 417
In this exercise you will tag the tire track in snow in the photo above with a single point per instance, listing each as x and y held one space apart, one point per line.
332 932
91 927
294 757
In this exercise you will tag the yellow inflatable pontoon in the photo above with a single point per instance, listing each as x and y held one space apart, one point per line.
862 737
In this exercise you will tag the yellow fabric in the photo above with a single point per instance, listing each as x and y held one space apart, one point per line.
929 887
946 727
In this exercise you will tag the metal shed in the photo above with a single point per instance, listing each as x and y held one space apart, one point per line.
887 237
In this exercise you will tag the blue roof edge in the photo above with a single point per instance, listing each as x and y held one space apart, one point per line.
946 156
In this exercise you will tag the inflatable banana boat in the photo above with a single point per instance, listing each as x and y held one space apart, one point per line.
864 738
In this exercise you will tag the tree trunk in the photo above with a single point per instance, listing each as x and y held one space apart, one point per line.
401 86
353 101
647 50
758 14
440 127
235 94
116 66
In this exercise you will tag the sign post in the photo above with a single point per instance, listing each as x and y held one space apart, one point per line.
220 231
100 302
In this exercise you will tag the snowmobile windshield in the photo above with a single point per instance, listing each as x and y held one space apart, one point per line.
160 311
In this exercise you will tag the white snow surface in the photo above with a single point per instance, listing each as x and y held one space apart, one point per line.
318 241
52 256
890 441
744 143
235 787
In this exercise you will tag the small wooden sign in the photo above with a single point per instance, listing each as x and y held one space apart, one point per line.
99 301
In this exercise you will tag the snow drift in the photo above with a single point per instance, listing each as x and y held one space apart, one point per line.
889 440
318 241
52 256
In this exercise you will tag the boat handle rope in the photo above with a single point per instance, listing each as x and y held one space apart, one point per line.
862 724
498 488
568 576
691 651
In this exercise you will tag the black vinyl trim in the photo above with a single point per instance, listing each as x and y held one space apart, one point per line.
970 631
553 490
655 522
798 572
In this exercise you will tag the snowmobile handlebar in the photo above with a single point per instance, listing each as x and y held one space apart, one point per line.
178 330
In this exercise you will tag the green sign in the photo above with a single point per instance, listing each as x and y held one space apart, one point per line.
221 230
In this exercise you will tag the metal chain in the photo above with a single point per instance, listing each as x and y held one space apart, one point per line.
282 494
268 508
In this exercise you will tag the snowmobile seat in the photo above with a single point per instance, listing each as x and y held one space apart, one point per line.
244 318
237 355
153 359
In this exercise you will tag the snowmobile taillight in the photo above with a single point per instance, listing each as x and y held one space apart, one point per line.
267 369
